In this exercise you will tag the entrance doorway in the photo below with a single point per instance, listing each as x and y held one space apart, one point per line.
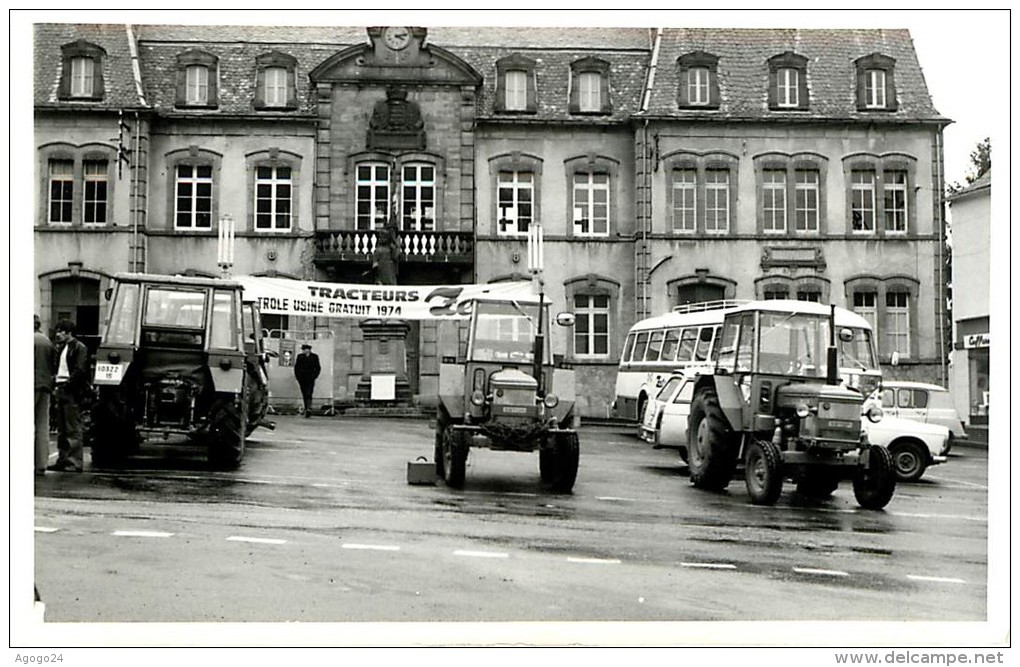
77 299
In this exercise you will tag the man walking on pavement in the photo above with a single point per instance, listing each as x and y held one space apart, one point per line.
72 390
45 370
306 370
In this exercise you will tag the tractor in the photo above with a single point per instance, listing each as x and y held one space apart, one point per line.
506 394
774 401
179 356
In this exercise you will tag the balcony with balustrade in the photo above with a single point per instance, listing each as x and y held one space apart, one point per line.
425 247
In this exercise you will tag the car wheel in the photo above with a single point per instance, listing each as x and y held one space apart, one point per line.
909 459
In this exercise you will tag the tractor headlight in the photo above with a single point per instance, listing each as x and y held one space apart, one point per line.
477 398
803 410
874 414
551 401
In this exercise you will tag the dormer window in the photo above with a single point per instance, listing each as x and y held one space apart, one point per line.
589 86
515 85
197 75
788 89
82 73
876 88
699 81
276 87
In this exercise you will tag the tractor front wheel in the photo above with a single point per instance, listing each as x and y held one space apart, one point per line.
454 459
558 465
763 472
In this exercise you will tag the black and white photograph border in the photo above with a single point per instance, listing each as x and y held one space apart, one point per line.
852 582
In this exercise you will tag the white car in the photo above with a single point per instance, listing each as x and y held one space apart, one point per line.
914 445
664 423
921 402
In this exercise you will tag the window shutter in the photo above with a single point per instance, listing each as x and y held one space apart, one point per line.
214 85
500 89
773 88
890 91
802 89
532 91
713 88
64 91
98 83
575 92
683 96
260 87
862 88
182 85
292 88
607 103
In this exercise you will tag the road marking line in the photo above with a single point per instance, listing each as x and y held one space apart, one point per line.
608 561
830 573
711 566
140 533
256 540
960 517
481 554
615 498
942 580
370 547
45 529
938 478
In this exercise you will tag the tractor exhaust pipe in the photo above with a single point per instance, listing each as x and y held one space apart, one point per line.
831 372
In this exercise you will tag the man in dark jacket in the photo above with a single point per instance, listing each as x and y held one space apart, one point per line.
306 370
73 386
45 370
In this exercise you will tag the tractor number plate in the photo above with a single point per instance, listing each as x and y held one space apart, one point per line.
837 423
513 410
108 373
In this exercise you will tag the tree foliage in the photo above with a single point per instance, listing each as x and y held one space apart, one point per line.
980 163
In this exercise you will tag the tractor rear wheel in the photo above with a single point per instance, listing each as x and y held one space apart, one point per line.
226 433
763 472
112 435
711 454
874 485
565 457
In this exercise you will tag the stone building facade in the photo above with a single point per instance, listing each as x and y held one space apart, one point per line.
664 165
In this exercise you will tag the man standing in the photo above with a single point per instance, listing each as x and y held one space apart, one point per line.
306 370
45 369
72 389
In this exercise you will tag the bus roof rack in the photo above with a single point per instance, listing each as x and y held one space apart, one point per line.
700 306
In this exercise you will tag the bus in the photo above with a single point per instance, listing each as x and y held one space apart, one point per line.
686 338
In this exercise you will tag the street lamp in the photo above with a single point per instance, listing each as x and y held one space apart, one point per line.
225 246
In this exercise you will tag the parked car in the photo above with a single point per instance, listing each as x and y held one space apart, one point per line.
914 445
922 402
672 405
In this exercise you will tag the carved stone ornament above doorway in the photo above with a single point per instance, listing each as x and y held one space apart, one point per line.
396 123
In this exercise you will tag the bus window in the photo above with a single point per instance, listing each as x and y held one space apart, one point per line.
628 347
728 345
686 350
640 343
669 345
704 344
654 346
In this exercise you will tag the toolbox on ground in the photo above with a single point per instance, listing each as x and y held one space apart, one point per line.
421 471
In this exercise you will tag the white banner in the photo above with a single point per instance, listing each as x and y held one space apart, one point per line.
280 296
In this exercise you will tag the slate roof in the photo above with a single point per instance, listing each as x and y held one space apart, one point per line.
118 78
743 72
983 182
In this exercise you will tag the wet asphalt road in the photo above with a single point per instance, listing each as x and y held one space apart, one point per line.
319 524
